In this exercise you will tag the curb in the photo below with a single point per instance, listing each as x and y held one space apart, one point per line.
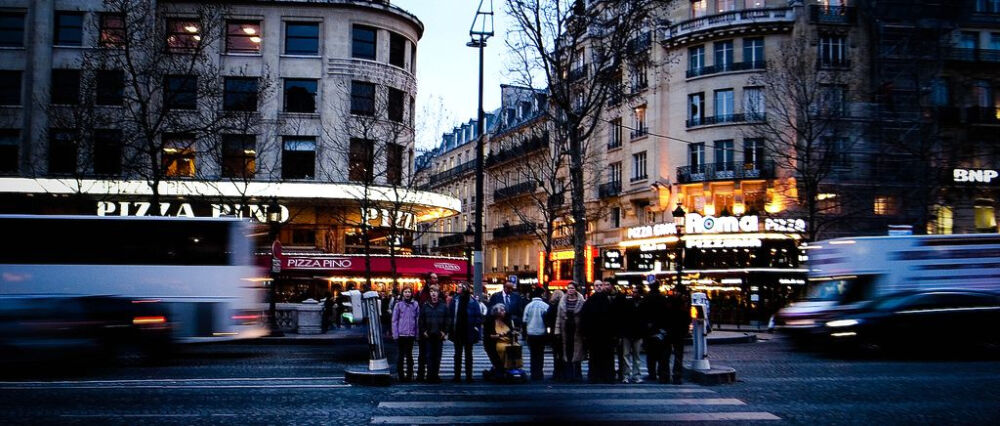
745 338
717 375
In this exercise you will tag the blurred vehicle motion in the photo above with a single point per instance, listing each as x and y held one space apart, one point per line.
888 287
126 284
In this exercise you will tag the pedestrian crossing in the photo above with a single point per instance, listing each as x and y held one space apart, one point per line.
482 362
558 404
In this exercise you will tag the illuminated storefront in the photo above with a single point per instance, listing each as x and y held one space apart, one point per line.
748 265
562 266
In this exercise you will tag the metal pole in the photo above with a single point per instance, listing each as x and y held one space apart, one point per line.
376 347
468 263
272 320
480 147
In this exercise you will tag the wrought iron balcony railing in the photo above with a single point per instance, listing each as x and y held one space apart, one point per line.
841 15
733 18
725 171
452 173
508 231
610 189
730 67
514 190
991 56
726 118
455 239
527 147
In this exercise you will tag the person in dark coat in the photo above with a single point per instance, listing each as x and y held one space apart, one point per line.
466 327
598 325
631 331
434 325
555 340
423 297
653 311
328 312
512 301
678 322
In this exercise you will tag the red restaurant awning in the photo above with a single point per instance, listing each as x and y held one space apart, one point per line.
380 265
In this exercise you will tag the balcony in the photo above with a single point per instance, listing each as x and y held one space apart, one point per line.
678 32
514 191
456 239
610 189
640 44
726 119
452 173
725 171
638 133
509 231
835 15
524 148
556 201
991 56
716 69
833 63
577 73
614 144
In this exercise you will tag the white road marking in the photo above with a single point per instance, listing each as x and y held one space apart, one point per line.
587 418
227 379
543 403
562 391
260 386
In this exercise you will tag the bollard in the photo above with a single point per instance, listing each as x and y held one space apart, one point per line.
376 346
700 341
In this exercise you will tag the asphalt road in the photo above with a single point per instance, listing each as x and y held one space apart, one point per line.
254 383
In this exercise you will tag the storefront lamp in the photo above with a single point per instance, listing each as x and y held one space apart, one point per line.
470 235
679 216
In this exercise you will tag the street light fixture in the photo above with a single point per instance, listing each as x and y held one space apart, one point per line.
470 239
273 218
679 214
480 31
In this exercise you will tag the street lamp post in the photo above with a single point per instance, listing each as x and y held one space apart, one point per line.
274 224
470 239
679 214
479 32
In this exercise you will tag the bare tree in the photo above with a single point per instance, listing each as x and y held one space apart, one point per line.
807 131
552 42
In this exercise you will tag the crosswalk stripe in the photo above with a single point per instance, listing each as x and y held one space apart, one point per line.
570 403
587 418
607 392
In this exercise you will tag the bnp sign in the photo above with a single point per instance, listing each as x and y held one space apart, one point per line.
974 175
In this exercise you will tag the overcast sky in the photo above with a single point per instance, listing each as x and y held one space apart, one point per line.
448 70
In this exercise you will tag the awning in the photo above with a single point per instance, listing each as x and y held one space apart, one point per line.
341 264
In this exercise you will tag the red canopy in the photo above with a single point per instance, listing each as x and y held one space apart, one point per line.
380 265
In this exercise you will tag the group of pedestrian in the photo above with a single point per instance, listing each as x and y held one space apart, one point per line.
575 327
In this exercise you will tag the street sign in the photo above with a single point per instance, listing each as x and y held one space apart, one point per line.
512 279
650 278
275 265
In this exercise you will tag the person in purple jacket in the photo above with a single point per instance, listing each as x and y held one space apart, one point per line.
404 330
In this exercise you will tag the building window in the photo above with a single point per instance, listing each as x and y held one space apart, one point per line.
696 109
298 158
397 105
178 155
69 29
10 145
753 52
62 151
639 166
696 157
639 78
944 220
300 95
886 205
753 153
112 30
240 94
362 98
615 172
640 122
183 35
11 29
754 201
616 217
828 203
243 36
394 163
699 8
180 92
833 51
363 41
968 40
833 100
10 87
239 156
397 50
724 156
108 152
302 38
727 5
985 217
939 92
615 133
724 105
362 160
988 6
696 59
723 55
753 103
110 87
835 152
65 87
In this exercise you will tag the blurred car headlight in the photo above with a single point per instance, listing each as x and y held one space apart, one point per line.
843 323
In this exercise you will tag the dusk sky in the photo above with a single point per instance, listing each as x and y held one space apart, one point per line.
448 70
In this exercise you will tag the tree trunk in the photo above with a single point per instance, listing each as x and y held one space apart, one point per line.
578 210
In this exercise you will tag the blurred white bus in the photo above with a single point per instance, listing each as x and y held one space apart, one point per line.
199 273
